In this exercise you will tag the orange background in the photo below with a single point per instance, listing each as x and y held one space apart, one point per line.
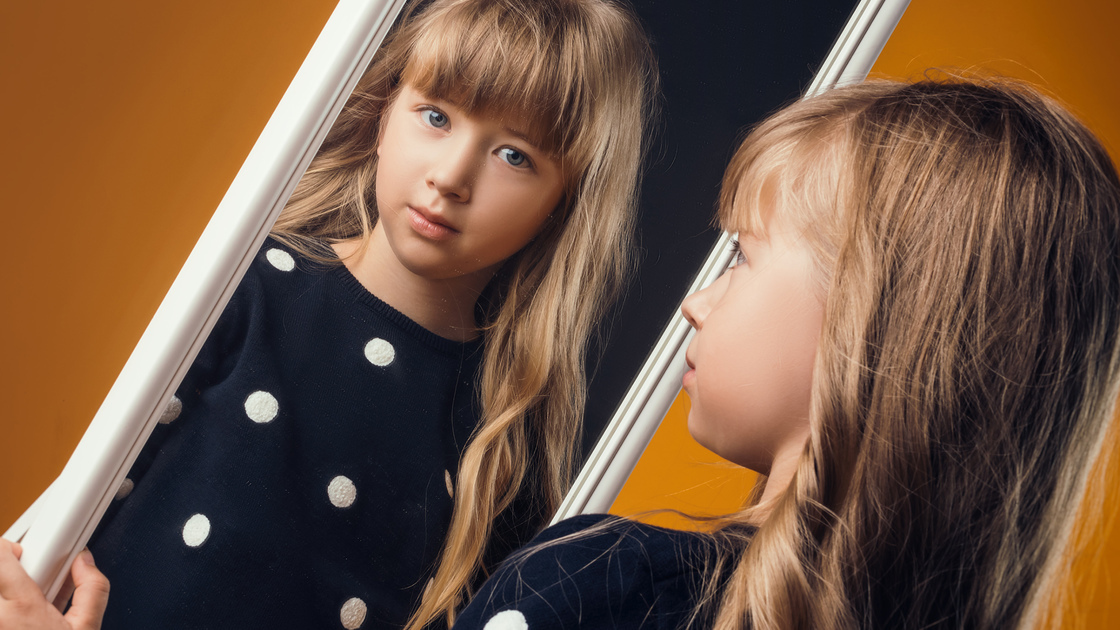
124 122
1069 51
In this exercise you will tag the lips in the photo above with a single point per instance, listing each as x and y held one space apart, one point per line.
430 225
690 376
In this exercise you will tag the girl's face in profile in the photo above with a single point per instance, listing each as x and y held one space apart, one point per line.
458 193
752 358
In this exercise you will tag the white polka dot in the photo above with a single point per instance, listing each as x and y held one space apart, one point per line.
280 259
196 531
125 489
447 482
261 407
172 411
507 620
353 613
342 492
380 352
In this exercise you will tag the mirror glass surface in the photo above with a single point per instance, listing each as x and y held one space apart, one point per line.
724 65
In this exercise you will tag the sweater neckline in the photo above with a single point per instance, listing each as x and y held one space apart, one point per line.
364 296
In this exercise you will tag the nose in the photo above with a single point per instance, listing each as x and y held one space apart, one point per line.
699 305
696 307
454 170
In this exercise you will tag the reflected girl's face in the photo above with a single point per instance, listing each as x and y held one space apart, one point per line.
752 358
457 194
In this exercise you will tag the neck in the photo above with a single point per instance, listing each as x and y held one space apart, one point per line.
442 306
781 473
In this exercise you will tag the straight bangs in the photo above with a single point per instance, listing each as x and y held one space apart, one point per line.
518 62
790 165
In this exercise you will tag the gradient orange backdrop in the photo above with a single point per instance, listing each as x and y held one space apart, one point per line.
124 122
1069 49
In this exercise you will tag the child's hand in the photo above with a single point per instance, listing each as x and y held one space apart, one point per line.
22 605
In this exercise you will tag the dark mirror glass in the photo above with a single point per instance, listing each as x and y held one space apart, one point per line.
724 66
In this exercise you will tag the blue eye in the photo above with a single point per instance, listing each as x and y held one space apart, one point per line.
435 118
513 157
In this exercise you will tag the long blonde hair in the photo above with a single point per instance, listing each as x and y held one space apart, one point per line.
583 74
967 234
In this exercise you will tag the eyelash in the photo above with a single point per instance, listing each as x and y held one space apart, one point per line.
424 111
525 165
740 255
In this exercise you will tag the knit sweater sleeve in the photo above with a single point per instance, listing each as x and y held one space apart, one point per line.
214 362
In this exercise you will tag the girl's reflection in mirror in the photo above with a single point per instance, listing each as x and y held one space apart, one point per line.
389 403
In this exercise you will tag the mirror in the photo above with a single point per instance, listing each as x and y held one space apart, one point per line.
723 67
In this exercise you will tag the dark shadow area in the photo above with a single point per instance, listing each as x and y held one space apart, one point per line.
725 65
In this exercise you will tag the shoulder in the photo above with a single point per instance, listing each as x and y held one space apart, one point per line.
276 274
280 277
277 261
595 571
590 536
274 269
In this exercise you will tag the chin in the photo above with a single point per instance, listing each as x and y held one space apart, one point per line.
699 433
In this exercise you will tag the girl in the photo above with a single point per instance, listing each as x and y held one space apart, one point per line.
918 345
389 403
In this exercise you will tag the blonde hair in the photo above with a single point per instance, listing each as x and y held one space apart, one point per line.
968 237
583 75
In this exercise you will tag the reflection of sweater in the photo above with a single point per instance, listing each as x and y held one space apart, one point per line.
623 575
307 480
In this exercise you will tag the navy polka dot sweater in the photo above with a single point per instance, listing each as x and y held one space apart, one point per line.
303 475
595 572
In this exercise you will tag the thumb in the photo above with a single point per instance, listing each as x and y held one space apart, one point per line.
91 594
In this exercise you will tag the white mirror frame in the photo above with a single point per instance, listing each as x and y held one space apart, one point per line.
659 382
58 525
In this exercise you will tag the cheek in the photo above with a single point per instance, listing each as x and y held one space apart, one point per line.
505 240
723 390
516 214
753 389
392 182
400 163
